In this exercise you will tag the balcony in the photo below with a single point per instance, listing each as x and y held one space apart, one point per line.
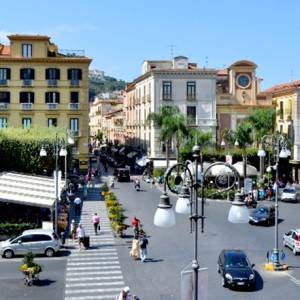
27 82
52 82
74 82
74 106
148 97
4 106
191 97
26 106
167 97
52 106
3 82
75 133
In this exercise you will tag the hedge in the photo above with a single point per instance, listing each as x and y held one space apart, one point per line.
15 229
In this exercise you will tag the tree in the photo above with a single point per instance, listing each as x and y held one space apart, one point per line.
263 122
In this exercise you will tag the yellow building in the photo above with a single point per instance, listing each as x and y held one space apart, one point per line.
42 86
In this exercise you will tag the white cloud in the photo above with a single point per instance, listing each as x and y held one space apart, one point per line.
3 36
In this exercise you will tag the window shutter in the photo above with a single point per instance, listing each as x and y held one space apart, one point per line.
58 74
7 97
22 97
47 97
31 97
69 74
57 97
22 74
32 73
79 74
7 73
47 74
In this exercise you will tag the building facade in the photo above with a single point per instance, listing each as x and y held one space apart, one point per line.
42 86
169 83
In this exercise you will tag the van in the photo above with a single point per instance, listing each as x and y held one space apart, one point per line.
37 241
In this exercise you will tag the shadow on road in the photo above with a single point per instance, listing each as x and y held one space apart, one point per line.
44 282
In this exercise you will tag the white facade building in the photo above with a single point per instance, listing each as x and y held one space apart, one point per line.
169 83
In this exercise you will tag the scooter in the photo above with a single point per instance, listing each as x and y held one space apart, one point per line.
137 185
112 183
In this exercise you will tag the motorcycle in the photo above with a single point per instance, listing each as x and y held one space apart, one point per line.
112 183
137 185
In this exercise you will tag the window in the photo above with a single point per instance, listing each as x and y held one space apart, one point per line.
3 123
167 90
4 97
191 90
52 74
27 74
52 122
26 97
26 122
52 97
4 75
74 74
281 110
74 97
74 124
191 115
27 50
41 237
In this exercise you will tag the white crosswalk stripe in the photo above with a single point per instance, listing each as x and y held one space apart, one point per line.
95 273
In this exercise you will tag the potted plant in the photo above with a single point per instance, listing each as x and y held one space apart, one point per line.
30 269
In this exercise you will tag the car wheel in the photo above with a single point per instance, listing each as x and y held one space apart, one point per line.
8 254
49 252
224 283
294 251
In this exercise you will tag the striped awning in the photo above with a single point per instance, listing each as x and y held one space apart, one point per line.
27 189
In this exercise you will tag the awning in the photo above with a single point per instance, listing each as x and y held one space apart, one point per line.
27 190
251 170
131 154
163 163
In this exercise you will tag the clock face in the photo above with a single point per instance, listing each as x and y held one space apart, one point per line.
243 81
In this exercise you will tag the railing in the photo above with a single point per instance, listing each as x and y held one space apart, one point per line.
71 53
3 82
166 97
191 97
26 106
27 82
4 106
74 82
75 151
52 106
52 82
74 106
75 133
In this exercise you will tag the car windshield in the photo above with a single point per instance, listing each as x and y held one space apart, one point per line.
262 210
289 191
236 261
13 238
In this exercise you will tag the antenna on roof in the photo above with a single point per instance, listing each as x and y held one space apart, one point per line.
172 50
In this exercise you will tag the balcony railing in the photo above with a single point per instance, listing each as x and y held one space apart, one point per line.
26 106
191 97
74 82
52 106
52 82
27 82
167 97
4 106
75 133
74 106
3 82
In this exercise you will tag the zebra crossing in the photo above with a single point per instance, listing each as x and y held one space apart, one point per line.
94 274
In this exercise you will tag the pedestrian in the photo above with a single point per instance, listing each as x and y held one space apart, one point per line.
73 229
255 194
77 203
80 235
124 294
85 191
143 247
96 221
153 182
135 223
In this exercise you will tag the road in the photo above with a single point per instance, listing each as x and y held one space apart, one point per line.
171 250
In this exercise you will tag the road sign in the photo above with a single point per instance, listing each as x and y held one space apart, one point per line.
247 185
187 283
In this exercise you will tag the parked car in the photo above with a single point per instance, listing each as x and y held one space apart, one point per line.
236 269
123 174
289 195
291 239
264 214
37 241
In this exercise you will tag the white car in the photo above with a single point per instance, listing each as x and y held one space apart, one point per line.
289 195
37 241
291 239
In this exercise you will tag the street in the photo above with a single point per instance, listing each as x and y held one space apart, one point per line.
171 250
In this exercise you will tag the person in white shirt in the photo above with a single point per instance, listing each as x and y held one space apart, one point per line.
80 235
77 203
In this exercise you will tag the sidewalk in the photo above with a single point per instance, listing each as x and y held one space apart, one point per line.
94 273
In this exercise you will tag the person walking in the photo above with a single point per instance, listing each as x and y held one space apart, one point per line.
143 247
124 294
73 229
80 235
77 203
135 223
96 221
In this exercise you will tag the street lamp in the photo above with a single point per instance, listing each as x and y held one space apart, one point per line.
187 202
279 144
57 152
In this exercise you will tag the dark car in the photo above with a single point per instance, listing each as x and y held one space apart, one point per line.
264 214
235 269
123 174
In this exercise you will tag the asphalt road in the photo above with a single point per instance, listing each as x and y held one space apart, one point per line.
171 250
50 286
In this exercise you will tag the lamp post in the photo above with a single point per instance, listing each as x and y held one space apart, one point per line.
59 150
187 202
223 145
279 144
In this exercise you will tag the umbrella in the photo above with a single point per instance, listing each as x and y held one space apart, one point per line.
251 170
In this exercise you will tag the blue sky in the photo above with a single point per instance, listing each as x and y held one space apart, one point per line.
120 34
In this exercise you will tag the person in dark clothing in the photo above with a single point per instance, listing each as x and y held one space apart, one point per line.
143 246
